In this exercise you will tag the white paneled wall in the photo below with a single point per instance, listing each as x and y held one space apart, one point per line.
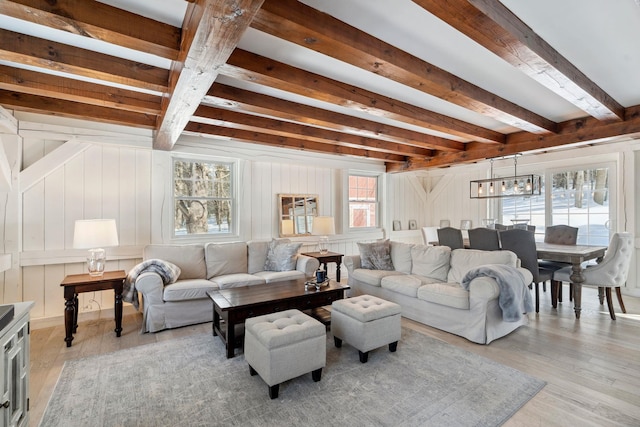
77 177
99 181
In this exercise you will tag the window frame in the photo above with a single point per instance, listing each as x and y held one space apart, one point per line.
547 175
233 168
378 202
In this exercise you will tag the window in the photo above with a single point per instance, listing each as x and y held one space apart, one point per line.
203 197
363 201
577 197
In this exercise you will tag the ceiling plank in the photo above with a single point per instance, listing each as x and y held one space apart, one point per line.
233 98
268 72
236 120
96 20
211 30
76 110
34 83
571 132
58 57
491 24
298 23
285 142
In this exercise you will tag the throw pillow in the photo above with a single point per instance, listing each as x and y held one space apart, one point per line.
376 255
282 256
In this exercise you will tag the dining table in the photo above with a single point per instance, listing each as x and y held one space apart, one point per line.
575 255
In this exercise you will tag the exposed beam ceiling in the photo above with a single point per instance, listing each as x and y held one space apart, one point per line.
309 76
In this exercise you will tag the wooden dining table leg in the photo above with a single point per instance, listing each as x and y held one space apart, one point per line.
577 279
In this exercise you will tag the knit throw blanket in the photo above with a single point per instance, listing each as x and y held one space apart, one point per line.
167 271
514 298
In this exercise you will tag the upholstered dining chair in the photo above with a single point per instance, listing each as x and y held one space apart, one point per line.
450 236
560 235
523 244
612 272
429 235
486 239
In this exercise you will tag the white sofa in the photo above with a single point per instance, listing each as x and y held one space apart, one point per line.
203 268
426 283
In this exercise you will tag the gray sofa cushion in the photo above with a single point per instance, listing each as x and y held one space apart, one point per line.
237 280
257 253
188 289
449 294
376 255
463 260
225 258
190 258
431 261
406 285
401 256
373 277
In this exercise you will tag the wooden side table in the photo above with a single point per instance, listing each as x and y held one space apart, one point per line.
328 257
75 284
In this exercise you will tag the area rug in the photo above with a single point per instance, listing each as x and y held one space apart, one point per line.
189 382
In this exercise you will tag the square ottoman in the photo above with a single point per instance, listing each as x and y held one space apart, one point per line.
366 322
284 345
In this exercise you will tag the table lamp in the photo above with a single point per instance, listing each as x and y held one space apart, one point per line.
95 235
323 226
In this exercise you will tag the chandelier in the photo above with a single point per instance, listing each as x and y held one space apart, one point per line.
506 186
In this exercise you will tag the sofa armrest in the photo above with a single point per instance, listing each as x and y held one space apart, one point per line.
352 262
151 287
307 265
487 288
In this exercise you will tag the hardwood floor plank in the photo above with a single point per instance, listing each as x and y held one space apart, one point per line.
591 365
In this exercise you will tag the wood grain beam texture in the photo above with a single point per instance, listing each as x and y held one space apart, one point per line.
247 66
96 20
575 131
33 51
229 97
236 120
293 21
286 142
76 110
492 25
210 31
34 83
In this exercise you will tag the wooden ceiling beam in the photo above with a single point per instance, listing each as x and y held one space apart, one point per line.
96 20
571 132
238 99
287 142
258 69
211 30
76 110
31 82
58 57
298 23
236 120
494 26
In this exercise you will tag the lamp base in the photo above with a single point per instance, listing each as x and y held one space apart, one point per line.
96 261
323 244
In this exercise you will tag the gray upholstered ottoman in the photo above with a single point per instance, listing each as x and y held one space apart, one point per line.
284 345
366 322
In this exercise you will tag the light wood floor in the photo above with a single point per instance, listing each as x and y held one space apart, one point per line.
591 365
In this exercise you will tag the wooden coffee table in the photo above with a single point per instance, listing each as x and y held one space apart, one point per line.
231 307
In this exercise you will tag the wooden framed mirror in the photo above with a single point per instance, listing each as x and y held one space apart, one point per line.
296 212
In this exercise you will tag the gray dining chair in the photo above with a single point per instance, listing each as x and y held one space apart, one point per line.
523 244
450 236
560 235
611 272
486 239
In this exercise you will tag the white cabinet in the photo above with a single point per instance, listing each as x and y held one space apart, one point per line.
14 374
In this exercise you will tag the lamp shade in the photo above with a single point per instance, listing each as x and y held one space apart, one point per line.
323 226
287 226
95 233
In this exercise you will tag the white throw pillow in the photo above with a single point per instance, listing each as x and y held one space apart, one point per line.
431 261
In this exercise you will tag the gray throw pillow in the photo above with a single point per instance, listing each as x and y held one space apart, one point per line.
282 256
376 255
